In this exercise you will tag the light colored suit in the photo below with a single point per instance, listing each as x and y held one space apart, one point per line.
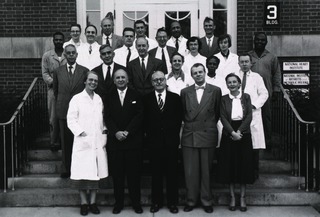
199 139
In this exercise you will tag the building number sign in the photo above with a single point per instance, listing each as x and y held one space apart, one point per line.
272 14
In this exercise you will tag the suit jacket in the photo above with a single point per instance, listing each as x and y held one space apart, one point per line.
162 128
104 86
200 120
65 87
171 50
205 51
128 117
226 111
116 41
137 80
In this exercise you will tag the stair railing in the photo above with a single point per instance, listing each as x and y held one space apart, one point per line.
296 144
29 120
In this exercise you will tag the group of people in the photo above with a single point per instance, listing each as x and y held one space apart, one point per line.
112 96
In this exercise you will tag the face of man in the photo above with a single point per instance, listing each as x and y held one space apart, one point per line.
107 55
91 34
128 38
142 47
75 33
245 63
194 47
91 82
212 65
260 42
159 81
58 41
70 53
120 79
209 27
175 29
107 26
198 75
162 38
140 30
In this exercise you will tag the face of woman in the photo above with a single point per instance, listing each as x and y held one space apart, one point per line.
177 62
224 45
91 82
233 84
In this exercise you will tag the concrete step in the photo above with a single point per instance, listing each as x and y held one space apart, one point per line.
44 155
54 181
274 167
42 142
42 167
39 197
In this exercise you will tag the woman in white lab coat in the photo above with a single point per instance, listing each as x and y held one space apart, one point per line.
89 158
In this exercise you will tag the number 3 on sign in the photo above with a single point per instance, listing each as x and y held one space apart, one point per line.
272 12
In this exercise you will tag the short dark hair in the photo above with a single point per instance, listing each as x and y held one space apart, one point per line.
58 33
208 19
212 57
260 33
91 26
225 36
176 53
70 45
162 29
233 75
197 65
104 46
245 54
75 24
139 21
128 29
192 39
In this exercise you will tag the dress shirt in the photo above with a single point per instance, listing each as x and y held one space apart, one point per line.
182 44
219 82
211 40
237 111
163 96
104 39
166 55
124 94
72 42
145 61
199 91
105 69
121 54
176 85
73 67
89 60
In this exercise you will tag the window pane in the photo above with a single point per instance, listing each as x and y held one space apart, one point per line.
93 18
220 20
219 4
93 5
184 18
129 17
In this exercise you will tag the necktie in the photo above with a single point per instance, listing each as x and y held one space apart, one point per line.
165 70
70 70
121 97
160 102
177 44
107 41
108 76
244 81
209 43
143 67
90 49
128 56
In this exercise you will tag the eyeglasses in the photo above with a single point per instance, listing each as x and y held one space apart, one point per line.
76 31
158 80
71 52
90 32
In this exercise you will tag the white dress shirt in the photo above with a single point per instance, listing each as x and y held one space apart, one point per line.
121 54
182 44
123 93
163 96
105 69
104 39
176 85
87 59
199 92
73 67
166 55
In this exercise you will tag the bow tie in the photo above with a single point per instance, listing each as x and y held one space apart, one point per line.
199 87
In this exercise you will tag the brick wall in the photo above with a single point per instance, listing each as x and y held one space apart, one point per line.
30 18
298 17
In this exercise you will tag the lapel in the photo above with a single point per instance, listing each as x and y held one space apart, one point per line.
65 78
149 67
76 78
196 108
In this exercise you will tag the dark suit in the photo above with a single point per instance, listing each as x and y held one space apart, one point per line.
170 50
139 81
105 85
199 139
125 156
205 50
162 132
116 41
65 87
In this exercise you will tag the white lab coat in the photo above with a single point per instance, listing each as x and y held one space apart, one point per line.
228 65
259 94
89 157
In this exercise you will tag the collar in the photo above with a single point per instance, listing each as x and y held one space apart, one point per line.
145 59
226 55
124 91
163 94
235 97
73 66
172 75
105 37
197 86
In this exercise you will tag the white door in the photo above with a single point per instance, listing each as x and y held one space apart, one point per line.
157 15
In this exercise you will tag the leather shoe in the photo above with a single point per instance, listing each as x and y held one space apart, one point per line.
208 209
116 210
65 175
188 208
173 209
155 208
138 209
94 209
84 209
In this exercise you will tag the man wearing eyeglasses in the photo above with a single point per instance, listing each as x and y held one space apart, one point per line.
162 118
75 32
68 80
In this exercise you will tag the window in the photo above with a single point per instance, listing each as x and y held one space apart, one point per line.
93 10
183 17
220 13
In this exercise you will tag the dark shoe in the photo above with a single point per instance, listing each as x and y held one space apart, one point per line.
84 209
155 208
116 210
208 209
243 205
65 175
94 209
188 208
232 205
138 209
173 209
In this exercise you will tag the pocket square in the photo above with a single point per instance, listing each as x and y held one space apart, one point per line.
134 102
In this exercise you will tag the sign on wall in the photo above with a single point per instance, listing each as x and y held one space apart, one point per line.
296 74
272 14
